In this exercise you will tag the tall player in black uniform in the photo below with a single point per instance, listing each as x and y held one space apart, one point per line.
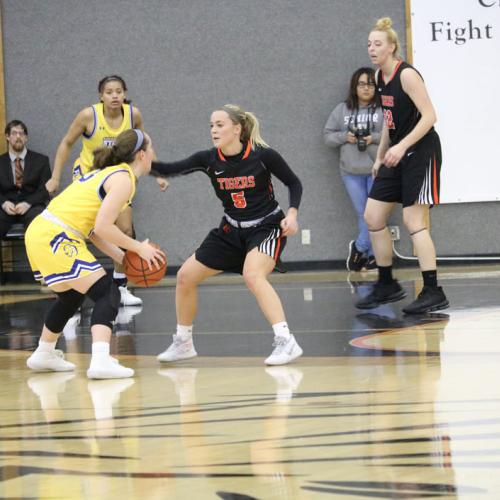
407 171
253 230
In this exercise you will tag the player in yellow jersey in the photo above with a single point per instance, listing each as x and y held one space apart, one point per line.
98 126
55 242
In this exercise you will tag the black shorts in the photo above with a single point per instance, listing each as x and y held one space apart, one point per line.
225 248
415 179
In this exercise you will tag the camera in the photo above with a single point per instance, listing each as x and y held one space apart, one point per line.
360 133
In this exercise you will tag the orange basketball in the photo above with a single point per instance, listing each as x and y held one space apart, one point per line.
138 272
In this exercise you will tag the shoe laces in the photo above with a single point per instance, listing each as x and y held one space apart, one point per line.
279 344
178 341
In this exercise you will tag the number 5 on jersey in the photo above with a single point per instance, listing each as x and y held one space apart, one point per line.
239 199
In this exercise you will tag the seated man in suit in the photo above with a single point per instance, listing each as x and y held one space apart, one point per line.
23 174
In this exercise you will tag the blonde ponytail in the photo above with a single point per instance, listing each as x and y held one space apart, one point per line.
250 128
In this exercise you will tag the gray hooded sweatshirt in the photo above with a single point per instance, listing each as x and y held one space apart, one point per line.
353 161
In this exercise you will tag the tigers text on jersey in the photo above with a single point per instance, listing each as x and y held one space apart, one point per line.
400 113
102 135
78 204
242 182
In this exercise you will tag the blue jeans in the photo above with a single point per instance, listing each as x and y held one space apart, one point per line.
358 188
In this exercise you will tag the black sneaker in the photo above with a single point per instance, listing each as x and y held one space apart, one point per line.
355 260
429 299
370 264
382 294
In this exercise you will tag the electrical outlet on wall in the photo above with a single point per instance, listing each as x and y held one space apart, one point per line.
306 236
394 230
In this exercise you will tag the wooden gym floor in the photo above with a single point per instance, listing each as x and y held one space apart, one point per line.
380 406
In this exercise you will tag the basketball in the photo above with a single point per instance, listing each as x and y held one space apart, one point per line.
137 271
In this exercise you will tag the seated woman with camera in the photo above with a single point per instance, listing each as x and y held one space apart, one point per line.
355 126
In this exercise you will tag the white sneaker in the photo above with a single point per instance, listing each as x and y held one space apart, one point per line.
127 298
69 330
285 350
126 314
49 362
108 368
178 350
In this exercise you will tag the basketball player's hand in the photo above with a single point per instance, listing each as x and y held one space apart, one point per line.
52 185
9 208
393 155
152 254
163 183
289 225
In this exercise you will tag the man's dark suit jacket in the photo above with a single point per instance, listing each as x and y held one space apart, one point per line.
36 174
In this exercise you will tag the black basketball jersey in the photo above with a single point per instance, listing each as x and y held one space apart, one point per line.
242 182
400 113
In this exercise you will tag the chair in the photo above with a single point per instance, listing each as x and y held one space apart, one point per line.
12 238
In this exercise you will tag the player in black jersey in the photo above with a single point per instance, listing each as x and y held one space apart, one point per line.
406 171
252 232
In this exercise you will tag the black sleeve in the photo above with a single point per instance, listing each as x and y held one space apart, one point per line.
198 161
279 167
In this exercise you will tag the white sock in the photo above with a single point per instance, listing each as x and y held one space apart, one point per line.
184 332
119 276
281 329
100 350
46 346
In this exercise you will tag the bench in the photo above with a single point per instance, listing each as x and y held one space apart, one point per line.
14 237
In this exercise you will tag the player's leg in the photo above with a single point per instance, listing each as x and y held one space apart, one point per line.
189 276
257 267
387 289
432 296
127 298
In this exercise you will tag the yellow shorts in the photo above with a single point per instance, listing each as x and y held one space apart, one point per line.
56 254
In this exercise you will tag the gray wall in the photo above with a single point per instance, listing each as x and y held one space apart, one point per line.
289 61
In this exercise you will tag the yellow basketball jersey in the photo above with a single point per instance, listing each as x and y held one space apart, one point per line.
78 204
102 135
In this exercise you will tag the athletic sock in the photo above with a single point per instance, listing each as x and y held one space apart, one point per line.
430 278
46 346
385 275
119 278
100 351
184 332
281 329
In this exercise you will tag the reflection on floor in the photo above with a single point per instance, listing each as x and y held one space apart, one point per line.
380 406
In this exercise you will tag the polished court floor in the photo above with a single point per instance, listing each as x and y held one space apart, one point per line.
380 406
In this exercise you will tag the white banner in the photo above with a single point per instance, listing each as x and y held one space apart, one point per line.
456 48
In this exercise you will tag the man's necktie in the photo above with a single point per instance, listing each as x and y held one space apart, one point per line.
19 172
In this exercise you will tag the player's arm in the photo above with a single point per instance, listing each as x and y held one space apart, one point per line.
118 189
414 86
381 150
198 161
109 249
139 123
280 168
84 121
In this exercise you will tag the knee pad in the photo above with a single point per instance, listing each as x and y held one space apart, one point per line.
106 297
65 306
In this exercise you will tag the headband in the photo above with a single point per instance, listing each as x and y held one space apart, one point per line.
140 140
